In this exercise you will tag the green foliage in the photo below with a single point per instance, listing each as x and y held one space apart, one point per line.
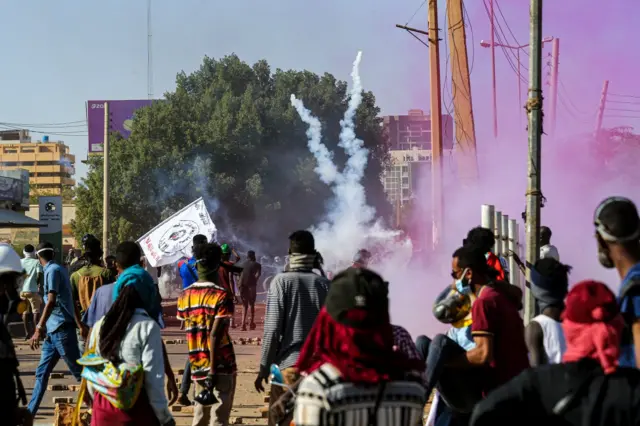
229 133
68 194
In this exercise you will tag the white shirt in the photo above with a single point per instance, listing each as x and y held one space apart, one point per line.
142 344
552 338
549 251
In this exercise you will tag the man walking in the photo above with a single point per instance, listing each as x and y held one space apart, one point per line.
293 303
248 287
29 292
60 320
206 309
86 280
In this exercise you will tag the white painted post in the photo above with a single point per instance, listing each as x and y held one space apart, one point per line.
514 271
505 236
487 216
498 233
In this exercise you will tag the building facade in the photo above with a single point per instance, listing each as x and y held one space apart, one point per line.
50 164
410 149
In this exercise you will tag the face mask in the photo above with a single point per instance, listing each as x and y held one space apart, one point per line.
462 286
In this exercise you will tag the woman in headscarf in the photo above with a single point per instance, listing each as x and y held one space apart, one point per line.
588 388
353 374
127 335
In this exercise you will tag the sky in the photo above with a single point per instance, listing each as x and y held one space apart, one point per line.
58 55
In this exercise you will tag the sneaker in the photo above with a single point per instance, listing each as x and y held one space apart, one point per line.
252 326
244 328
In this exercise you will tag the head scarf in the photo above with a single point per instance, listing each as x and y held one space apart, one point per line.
138 277
592 325
353 333
544 292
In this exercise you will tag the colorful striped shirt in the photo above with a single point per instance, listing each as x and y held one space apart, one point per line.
198 306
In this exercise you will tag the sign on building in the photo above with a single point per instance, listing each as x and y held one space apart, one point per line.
51 215
121 113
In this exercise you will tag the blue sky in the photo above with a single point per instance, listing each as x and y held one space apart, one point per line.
57 55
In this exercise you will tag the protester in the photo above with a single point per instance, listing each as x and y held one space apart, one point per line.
354 375
361 259
226 271
110 262
547 250
618 235
500 353
293 302
86 280
12 391
206 309
128 335
543 335
30 286
588 388
60 320
484 240
80 261
248 286
187 267
127 255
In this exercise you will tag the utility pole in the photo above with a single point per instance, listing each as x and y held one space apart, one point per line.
493 70
461 88
603 104
534 110
436 123
105 189
555 60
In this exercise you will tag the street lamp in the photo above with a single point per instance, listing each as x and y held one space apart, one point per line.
487 44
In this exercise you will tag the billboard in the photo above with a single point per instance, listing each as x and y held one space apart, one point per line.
51 215
121 113
10 180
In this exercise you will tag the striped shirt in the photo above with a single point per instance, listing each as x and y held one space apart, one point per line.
293 303
324 399
198 306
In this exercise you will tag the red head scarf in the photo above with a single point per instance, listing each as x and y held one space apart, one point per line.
592 325
362 356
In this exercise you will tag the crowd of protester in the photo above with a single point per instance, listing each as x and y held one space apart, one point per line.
340 360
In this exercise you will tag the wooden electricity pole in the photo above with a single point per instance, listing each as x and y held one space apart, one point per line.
105 188
534 189
461 88
436 123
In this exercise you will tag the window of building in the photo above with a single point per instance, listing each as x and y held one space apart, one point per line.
405 180
10 151
406 192
27 150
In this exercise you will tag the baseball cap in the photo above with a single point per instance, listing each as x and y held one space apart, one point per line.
358 298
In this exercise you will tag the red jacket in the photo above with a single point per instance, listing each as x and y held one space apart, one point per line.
494 262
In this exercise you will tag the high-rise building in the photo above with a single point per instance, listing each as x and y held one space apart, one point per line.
50 164
410 149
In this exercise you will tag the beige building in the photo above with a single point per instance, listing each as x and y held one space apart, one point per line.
50 164
410 149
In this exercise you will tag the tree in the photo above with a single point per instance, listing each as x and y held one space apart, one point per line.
229 133
67 193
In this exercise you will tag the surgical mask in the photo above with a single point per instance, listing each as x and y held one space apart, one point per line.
462 286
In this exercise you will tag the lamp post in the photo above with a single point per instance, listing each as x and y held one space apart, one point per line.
488 44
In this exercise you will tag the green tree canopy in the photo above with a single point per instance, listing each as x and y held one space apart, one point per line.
229 133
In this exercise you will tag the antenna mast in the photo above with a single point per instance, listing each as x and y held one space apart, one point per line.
149 57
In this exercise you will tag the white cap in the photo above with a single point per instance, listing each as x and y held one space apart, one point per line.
9 260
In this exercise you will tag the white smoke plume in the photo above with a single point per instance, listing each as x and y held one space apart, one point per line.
350 224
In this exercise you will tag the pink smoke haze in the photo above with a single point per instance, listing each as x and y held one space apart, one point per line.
597 43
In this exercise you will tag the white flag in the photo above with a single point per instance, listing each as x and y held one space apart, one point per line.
172 239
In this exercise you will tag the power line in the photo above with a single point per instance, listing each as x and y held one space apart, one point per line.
623 116
624 96
508 27
622 102
78 123
414 13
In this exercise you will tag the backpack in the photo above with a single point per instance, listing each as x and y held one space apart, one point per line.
87 286
119 384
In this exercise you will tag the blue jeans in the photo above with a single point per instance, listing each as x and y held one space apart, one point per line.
460 389
62 343
186 379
